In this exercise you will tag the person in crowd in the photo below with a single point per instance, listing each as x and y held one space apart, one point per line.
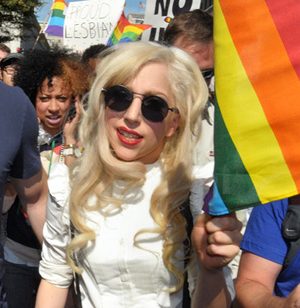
53 80
20 162
8 67
124 227
90 56
58 79
192 31
265 279
4 51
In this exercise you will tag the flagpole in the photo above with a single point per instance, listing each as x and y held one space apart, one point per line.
43 28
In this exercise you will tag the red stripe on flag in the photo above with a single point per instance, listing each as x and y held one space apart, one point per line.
123 22
288 25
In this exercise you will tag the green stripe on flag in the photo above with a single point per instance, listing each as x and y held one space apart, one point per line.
231 177
130 35
58 13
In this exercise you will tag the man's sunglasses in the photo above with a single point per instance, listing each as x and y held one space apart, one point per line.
119 98
208 73
9 70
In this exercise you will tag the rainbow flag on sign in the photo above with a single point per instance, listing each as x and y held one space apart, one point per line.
257 133
126 32
55 24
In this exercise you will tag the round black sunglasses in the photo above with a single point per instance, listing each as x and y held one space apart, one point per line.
119 98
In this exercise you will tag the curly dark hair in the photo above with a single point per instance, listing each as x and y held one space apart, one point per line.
39 65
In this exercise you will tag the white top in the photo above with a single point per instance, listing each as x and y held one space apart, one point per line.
121 274
204 149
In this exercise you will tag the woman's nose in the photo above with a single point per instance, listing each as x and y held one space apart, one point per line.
53 105
133 113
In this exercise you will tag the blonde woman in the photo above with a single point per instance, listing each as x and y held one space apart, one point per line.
128 190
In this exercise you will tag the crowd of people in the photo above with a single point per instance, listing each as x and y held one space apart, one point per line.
106 164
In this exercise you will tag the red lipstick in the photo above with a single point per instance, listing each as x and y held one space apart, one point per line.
128 136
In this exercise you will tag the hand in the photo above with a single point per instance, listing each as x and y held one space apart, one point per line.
71 125
216 240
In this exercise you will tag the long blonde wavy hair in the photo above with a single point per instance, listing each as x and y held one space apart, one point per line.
99 168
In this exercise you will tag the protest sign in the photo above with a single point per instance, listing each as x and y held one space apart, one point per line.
90 22
158 11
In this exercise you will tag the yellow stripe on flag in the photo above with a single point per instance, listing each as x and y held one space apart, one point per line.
117 33
58 6
134 29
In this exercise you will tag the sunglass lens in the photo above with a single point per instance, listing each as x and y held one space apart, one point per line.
117 98
207 74
154 109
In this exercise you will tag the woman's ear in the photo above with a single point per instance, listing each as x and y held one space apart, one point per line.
173 125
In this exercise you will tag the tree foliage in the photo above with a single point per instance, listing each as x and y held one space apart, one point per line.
16 15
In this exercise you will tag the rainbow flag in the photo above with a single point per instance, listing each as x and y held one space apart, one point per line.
126 32
55 24
257 133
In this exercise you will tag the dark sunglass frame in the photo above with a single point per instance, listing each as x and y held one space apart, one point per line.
208 73
154 108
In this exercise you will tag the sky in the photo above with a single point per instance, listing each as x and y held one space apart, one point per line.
132 6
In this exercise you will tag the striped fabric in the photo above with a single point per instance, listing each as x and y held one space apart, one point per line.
55 25
126 32
257 69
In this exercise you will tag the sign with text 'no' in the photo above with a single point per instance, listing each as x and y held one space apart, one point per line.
90 22
157 11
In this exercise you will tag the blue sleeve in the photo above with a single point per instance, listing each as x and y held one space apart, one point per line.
263 235
27 161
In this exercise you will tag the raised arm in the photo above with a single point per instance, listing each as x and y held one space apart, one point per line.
216 242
